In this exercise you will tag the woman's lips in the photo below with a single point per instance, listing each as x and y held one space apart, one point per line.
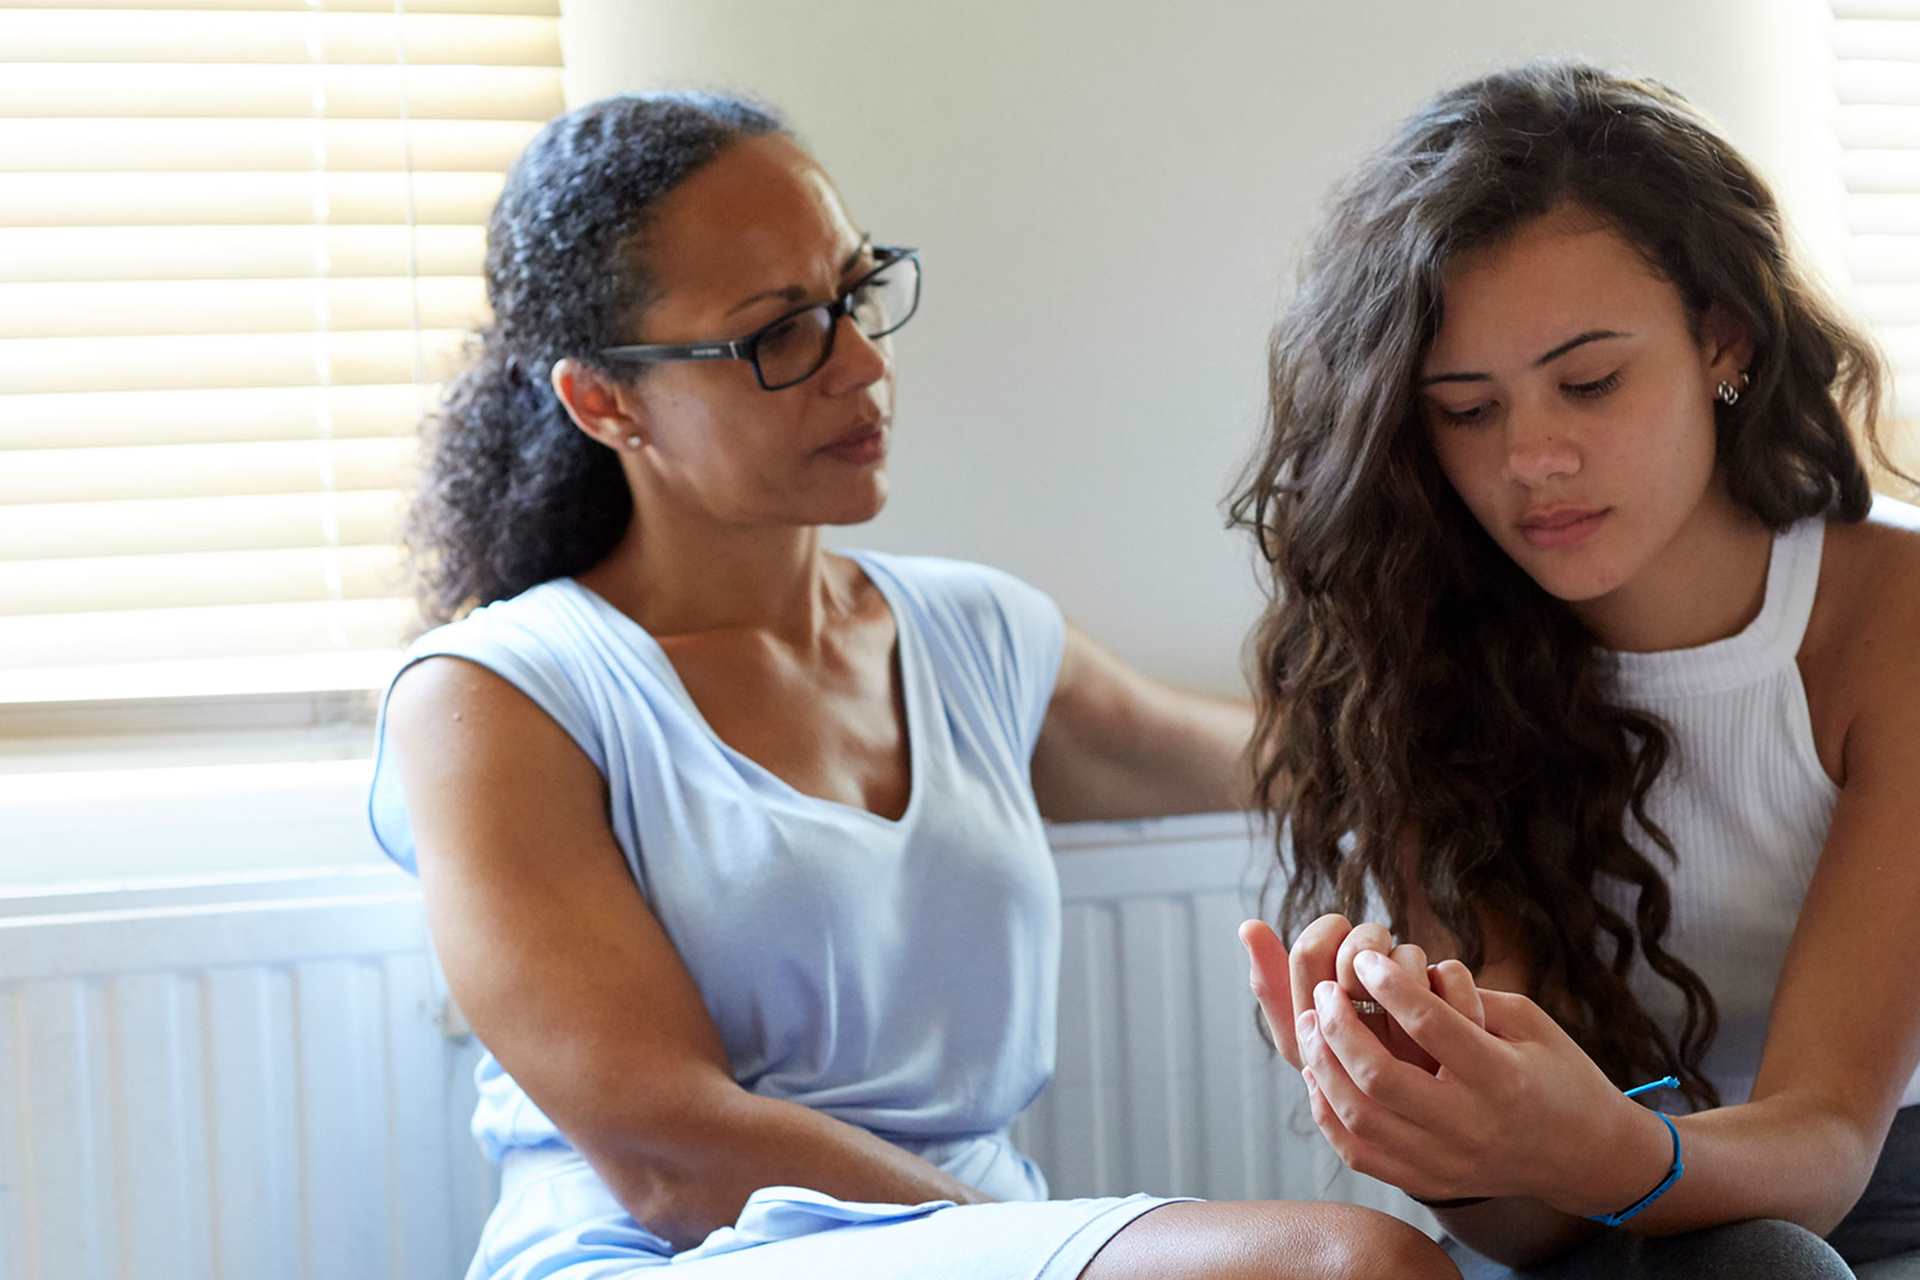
1563 533
861 450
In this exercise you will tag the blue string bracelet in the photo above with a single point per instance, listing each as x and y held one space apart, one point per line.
1673 1174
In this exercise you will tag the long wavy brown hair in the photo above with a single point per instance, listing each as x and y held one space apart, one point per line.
1417 690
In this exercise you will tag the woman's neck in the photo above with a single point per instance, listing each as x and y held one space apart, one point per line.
677 581
1708 583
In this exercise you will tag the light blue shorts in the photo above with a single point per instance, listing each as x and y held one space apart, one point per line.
557 1220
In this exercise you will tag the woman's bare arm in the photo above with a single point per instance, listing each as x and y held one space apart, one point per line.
1520 1111
1116 744
570 981
1841 1045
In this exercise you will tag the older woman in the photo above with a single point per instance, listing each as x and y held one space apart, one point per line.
732 846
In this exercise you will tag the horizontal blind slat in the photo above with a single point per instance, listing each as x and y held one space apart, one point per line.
95 36
237 253
188 678
145 145
1884 259
190 199
1870 171
525 8
1881 214
1876 8
55 90
202 415
78 585
56 531
30 365
121 309
1885 304
159 635
1865 40
1895 128
206 470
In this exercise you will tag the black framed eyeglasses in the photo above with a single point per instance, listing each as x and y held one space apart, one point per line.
791 349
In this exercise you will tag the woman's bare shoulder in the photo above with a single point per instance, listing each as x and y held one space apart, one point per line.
1873 569
1868 652
460 715
449 687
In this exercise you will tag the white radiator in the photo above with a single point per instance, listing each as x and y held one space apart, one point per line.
252 1078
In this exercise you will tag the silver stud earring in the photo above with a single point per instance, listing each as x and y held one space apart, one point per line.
633 442
1728 394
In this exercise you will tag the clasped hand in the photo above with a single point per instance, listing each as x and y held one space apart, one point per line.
1453 1091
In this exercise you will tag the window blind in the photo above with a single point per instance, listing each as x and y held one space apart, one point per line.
240 249
1877 79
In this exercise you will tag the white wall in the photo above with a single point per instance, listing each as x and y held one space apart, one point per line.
1110 195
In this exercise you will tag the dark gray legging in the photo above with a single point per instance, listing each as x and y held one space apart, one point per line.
1881 1236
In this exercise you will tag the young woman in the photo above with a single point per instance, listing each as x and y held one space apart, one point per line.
1592 667
731 846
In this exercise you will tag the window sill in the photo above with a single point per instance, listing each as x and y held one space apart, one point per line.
93 826
236 727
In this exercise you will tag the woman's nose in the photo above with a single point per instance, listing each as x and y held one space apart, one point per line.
1539 451
857 360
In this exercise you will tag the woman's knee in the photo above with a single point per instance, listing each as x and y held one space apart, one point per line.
1269 1240
1368 1245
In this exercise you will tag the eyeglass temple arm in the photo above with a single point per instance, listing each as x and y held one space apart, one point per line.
668 351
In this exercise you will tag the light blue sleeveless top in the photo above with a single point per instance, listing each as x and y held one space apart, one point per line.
897 975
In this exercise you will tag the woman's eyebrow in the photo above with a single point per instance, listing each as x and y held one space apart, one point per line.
797 293
1591 335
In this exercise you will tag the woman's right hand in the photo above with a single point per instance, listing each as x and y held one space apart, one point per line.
1283 980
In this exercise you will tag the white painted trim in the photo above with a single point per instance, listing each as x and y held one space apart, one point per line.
280 931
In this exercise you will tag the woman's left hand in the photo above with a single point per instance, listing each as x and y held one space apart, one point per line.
1283 978
1516 1108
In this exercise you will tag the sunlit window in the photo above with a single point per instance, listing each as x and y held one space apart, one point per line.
1877 81
240 243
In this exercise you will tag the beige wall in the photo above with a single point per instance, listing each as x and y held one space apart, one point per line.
1109 195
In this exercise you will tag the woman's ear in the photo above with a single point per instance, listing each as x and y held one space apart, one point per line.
1725 344
596 405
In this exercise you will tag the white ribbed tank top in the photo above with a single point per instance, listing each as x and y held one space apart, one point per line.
1746 802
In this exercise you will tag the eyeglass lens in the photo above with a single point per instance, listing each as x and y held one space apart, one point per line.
795 346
